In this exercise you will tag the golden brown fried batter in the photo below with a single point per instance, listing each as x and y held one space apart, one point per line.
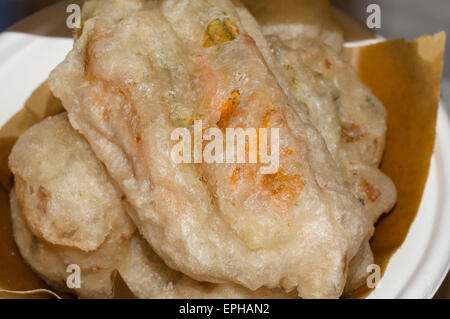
128 85
54 141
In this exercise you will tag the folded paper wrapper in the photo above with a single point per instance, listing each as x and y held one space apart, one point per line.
404 75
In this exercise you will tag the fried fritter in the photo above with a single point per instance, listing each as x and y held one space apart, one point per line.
127 86
346 113
332 100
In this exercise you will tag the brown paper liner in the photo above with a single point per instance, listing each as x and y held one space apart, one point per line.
404 75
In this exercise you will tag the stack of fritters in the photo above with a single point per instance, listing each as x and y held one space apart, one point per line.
139 70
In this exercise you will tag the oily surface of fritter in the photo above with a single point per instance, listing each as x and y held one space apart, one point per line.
127 86
143 271
67 209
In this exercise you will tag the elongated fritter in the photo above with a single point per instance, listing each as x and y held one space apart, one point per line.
348 116
346 113
128 85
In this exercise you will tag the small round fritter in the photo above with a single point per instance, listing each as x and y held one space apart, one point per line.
65 193
128 85
349 117
65 208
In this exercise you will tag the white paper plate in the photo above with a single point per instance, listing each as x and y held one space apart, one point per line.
30 50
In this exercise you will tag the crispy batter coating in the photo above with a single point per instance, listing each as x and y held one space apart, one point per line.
126 86
330 92
351 119
55 141
148 277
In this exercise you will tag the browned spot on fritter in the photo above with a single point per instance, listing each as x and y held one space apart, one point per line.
138 139
287 152
106 115
87 62
327 64
351 132
245 174
283 188
123 239
43 197
371 192
235 175
375 143
228 108
203 179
